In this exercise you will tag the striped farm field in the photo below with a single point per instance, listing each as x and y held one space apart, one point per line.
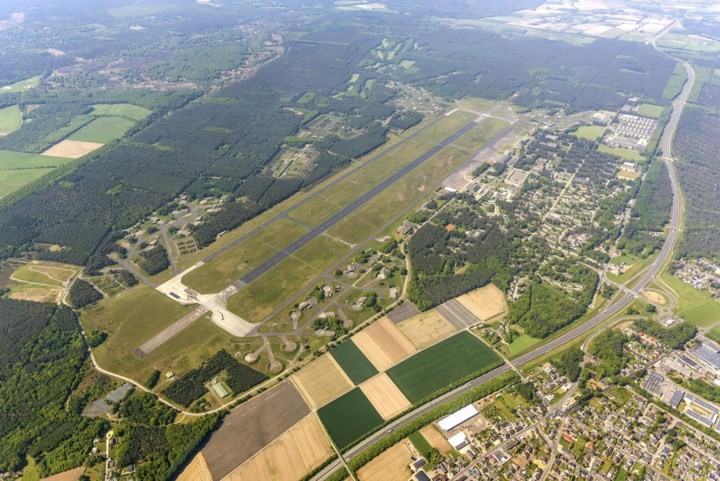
353 362
349 417
441 365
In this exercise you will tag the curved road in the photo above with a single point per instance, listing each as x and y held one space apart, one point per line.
569 336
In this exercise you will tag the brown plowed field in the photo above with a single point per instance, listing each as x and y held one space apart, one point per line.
436 440
385 396
322 380
71 475
383 344
71 149
196 471
392 465
300 450
252 426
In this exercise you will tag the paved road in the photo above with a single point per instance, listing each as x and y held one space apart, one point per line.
569 336
337 217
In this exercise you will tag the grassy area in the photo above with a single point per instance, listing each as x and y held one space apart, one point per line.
714 333
130 111
21 86
420 443
676 82
12 180
442 364
695 306
623 153
30 472
242 258
522 343
349 417
480 134
589 132
10 160
45 273
353 362
103 130
10 119
131 318
650 110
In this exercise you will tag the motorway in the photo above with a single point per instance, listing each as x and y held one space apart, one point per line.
570 335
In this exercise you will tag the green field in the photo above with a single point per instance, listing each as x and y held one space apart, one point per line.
12 180
650 110
10 119
420 443
589 132
623 153
47 274
130 111
441 365
676 82
695 306
103 130
21 86
714 333
10 160
476 137
349 417
522 343
353 362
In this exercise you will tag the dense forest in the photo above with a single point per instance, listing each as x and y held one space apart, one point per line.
674 337
82 293
40 365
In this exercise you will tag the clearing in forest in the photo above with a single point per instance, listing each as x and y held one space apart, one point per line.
486 302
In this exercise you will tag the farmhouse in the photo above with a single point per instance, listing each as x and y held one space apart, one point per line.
458 417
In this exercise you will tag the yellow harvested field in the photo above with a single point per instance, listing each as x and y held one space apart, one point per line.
426 328
385 396
383 344
486 302
71 149
321 381
71 475
655 297
196 471
36 294
290 457
392 465
436 440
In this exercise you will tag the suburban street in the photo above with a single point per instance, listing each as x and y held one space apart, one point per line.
569 336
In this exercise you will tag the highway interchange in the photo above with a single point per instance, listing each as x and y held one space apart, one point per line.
566 338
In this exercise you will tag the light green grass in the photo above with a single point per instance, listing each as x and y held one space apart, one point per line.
10 119
349 417
21 86
589 132
243 257
714 333
130 111
695 306
353 362
12 180
10 160
476 137
650 110
522 343
46 273
30 472
130 318
623 153
103 130
441 365
420 443
676 82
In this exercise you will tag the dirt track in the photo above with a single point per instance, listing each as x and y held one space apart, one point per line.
252 426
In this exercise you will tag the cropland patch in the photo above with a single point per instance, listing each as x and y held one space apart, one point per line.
72 149
71 475
130 111
321 381
385 396
252 426
426 328
300 450
12 180
457 314
10 119
383 344
435 439
103 130
486 302
353 362
20 160
196 471
391 465
21 86
349 417
441 365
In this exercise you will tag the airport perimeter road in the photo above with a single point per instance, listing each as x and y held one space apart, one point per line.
368 196
573 334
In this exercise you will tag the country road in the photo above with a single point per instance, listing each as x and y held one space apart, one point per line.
569 336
